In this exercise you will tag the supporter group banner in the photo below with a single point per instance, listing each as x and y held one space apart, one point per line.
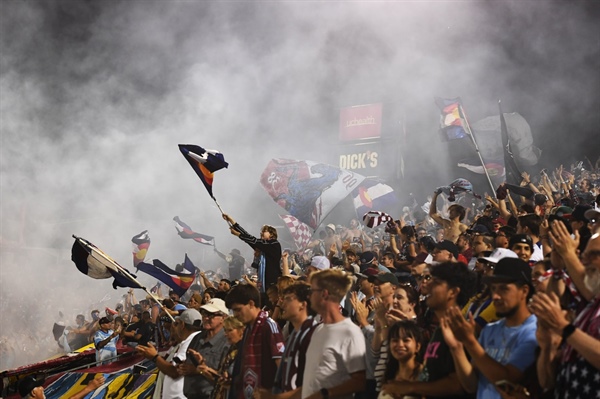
307 190
360 122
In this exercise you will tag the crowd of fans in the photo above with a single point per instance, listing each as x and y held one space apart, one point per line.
498 299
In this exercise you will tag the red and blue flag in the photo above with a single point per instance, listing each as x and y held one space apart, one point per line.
186 232
141 243
452 119
178 281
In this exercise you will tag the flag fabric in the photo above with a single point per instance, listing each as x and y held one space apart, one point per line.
488 132
372 194
204 162
495 168
307 190
300 232
513 175
92 262
141 243
178 281
375 218
452 119
189 266
186 232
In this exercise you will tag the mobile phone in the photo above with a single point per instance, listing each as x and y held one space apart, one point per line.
192 358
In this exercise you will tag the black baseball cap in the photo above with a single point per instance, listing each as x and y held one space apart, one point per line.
448 246
510 270
27 384
385 278
521 239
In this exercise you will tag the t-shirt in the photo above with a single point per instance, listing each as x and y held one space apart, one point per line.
576 376
438 361
291 370
335 351
172 388
109 350
507 345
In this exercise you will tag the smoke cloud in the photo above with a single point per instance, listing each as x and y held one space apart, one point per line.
95 96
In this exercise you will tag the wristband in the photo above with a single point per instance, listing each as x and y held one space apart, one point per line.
154 358
567 331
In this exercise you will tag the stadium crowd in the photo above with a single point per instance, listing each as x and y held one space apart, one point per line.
498 298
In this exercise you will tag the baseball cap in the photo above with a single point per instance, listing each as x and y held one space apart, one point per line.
191 317
592 214
367 273
498 254
320 262
578 213
235 251
104 320
215 305
385 278
478 228
366 258
27 384
510 270
522 239
448 246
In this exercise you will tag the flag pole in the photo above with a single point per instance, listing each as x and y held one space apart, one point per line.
470 132
221 210
123 271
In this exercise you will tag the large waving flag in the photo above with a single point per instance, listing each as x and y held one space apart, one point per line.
300 232
204 162
495 168
452 120
141 243
307 190
186 232
92 262
178 281
372 194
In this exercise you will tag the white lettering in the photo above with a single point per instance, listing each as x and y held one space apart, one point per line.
369 120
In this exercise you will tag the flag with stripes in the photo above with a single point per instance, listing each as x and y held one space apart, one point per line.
452 120
178 281
204 162
300 232
141 243
186 232
375 218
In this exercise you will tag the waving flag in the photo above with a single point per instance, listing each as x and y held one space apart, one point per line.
494 168
307 190
204 162
141 243
300 232
375 218
186 232
178 281
372 194
452 118
92 262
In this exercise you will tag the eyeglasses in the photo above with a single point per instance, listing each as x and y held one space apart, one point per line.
210 315
425 277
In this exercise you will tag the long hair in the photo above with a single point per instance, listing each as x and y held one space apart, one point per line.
399 330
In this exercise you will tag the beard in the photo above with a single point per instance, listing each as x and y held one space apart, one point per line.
508 313
592 282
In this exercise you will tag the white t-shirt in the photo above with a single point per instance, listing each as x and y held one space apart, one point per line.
335 351
173 388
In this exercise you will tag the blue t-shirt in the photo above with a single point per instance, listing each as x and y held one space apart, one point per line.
507 345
